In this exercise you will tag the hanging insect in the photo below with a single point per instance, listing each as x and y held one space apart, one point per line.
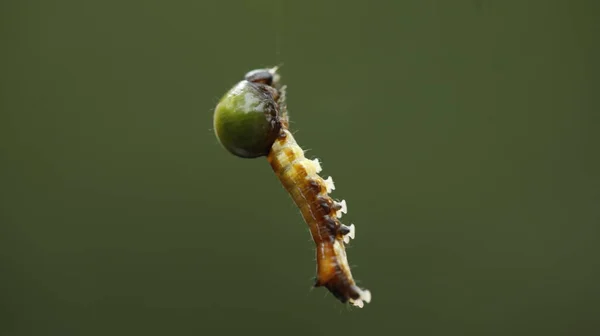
250 121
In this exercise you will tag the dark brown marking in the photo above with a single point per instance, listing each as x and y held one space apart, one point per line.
325 203
331 225
315 186
344 230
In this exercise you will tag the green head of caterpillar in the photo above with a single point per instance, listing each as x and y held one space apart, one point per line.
247 119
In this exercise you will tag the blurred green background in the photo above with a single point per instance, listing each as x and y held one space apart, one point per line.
463 134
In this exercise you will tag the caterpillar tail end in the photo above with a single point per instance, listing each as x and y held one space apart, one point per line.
365 297
346 293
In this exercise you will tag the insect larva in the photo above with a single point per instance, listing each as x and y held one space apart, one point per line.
251 120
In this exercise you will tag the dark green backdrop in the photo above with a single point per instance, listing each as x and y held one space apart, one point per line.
463 134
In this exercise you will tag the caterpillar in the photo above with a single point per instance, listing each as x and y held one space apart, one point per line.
251 120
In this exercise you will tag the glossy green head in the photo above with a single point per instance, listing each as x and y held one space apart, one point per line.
246 120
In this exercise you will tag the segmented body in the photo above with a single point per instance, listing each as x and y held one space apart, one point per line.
247 119
310 192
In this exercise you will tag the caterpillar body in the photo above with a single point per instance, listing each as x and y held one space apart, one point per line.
260 94
310 192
